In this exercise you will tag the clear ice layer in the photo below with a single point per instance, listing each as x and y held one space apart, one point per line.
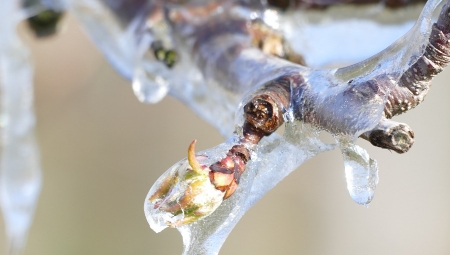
345 102
125 40
184 193
351 100
356 32
20 174
206 236
120 29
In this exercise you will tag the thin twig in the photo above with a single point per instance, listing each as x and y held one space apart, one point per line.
222 44
415 83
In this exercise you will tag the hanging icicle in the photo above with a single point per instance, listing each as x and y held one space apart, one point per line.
20 173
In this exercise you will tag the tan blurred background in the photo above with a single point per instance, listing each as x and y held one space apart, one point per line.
102 150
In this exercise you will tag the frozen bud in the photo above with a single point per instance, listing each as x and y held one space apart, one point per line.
46 22
183 194
225 174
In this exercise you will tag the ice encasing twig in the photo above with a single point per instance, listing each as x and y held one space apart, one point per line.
391 135
412 88
222 50
415 82
347 102
179 196
263 115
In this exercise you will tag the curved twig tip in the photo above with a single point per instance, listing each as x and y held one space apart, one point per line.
192 159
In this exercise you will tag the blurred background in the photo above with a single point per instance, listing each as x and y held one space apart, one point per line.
102 150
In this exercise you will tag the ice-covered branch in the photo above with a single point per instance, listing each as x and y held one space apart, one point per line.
391 135
415 82
226 56
347 102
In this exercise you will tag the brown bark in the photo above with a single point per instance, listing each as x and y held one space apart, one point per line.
415 83
391 135
263 113
230 39
263 116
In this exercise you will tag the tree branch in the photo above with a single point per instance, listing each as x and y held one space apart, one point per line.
415 82
223 46
391 135
349 102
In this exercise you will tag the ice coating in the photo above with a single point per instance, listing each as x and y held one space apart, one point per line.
299 143
206 235
399 55
361 84
220 77
353 99
357 32
346 102
127 50
360 90
179 198
184 193
189 86
119 28
126 41
20 173
350 107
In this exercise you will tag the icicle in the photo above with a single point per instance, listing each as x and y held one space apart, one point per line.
20 175
361 172
148 85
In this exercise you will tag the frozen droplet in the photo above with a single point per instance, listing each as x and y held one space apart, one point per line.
125 41
149 89
361 173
